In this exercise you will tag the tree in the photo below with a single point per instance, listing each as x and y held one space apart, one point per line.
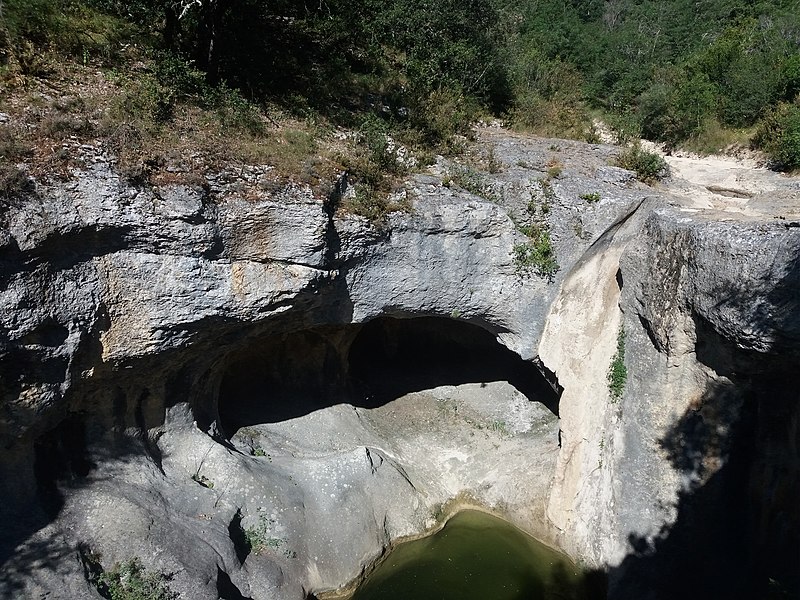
208 17
779 136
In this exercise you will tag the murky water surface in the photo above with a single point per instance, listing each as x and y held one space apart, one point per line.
475 557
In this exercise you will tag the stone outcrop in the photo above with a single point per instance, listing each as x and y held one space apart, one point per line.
684 468
256 393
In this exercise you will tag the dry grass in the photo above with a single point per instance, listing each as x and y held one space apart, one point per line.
716 139
74 105
156 132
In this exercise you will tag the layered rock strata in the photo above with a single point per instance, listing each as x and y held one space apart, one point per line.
256 394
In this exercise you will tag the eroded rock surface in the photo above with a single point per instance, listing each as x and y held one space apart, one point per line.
226 385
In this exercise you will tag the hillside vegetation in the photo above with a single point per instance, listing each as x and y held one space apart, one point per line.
695 73
277 82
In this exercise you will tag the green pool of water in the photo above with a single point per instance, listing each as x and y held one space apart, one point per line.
476 556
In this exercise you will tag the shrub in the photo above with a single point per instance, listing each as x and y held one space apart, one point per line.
367 202
625 126
234 110
779 136
648 166
547 190
547 95
493 164
617 372
714 137
374 134
442 116
676 105
145 99
14 182
130 581
35 27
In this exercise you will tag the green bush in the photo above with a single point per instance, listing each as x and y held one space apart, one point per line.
547 95
66 26
779 136
676 105
369 203
144 99
626 126
130 581
234 110
617 372
375 205
648 166
442 116
374 134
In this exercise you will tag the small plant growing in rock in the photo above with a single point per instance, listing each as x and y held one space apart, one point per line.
131 581
537 254
260 537
493 164
499 427
591 197
198 477
592 135
580 232
547 190
601 446
472 181
554 168
203 480
617 372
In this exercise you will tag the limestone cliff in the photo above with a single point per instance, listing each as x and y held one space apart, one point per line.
257 393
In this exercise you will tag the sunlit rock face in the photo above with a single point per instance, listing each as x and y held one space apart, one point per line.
257 395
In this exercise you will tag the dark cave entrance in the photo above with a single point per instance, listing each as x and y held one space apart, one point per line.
280 377
60 457
392 357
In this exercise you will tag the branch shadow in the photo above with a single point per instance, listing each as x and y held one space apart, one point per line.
737 449
705 553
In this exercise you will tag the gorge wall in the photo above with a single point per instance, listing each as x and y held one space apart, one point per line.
257 394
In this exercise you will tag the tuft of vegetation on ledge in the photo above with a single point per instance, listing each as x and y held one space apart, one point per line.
129 580
617 372
537 254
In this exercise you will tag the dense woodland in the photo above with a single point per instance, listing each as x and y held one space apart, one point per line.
702 74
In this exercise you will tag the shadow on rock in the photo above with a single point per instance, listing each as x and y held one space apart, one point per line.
737 531
283 377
